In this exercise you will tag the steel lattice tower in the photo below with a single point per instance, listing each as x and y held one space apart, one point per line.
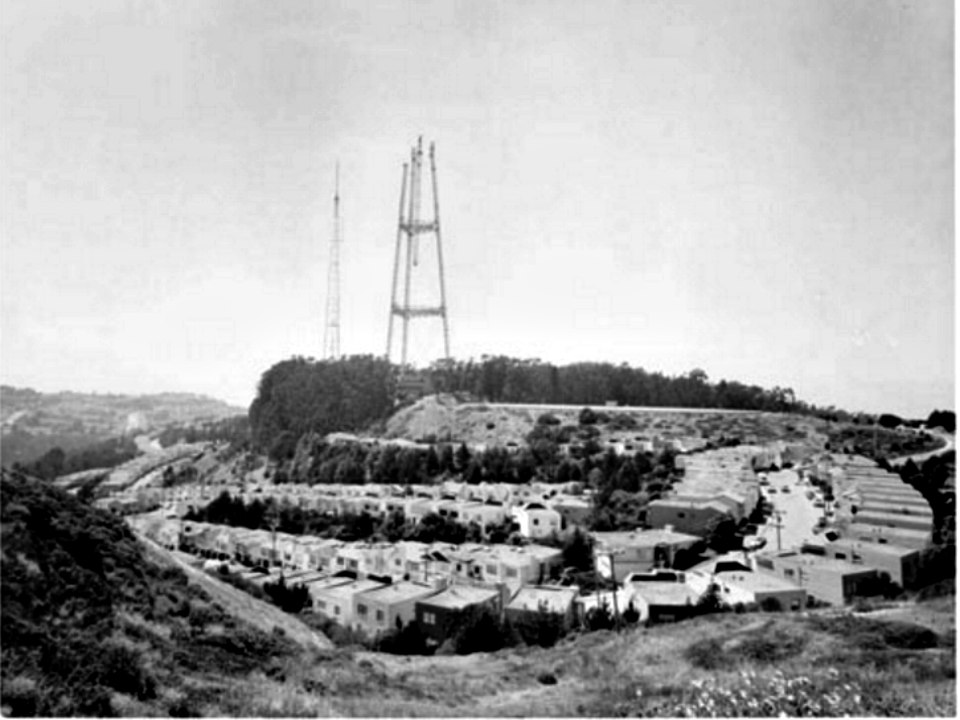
411 227
331 331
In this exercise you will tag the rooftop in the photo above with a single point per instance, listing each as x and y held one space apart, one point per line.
352 587
642 538
754 582
872 547
553 599
458 597
399 592
666 593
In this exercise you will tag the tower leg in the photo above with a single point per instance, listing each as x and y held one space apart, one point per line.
443 286
396 262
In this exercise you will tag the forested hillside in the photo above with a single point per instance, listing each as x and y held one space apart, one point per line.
298 395
506 379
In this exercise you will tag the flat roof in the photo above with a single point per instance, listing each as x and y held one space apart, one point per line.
823 563
352 587
457 597
889 517
871 547
399 592
666 593
555 599
755 581
643 538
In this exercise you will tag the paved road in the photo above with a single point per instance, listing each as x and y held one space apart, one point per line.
797 513
923 457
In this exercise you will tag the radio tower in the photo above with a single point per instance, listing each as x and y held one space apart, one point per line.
331 331
412 227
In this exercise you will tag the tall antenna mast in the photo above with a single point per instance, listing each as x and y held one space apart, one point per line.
331 331
411 227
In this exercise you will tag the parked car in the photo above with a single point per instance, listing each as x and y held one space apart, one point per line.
785 488
754 542
818 503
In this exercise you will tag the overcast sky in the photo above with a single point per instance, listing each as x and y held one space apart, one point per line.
759 188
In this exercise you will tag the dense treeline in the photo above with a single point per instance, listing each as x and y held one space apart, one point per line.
87 619
505 379
298 395
234 430
932 480
106 454
945 419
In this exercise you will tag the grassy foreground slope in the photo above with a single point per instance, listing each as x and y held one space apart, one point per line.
725 665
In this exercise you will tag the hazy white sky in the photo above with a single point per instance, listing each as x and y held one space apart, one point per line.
759 188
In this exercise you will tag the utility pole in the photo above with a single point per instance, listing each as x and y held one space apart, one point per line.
331 331
613 576
778 525
411 227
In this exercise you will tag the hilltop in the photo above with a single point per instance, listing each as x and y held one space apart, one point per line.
35 422
445 418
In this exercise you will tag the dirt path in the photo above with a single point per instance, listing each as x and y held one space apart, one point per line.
236 602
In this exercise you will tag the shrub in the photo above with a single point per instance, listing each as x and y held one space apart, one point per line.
771 604
587 417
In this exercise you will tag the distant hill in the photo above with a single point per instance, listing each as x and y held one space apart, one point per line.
33 423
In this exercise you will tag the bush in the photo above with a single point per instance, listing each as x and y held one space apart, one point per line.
588 417
771 604
548 419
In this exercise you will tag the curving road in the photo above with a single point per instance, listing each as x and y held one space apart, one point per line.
949 445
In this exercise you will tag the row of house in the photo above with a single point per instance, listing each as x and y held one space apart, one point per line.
538 510
715 484
883 508
495 564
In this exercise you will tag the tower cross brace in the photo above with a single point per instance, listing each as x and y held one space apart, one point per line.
409 229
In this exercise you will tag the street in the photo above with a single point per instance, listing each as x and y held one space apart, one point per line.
798 515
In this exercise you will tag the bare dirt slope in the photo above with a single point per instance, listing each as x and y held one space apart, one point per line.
443 418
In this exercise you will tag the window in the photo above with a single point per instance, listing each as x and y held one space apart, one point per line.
362 610
353 564
491 569
536 521
840 556
788 572
458 567
511 572
336 609
681 515
322 604
380 616
764 563
397 562
429 618
339 561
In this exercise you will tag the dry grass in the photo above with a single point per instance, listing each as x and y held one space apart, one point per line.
640 672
